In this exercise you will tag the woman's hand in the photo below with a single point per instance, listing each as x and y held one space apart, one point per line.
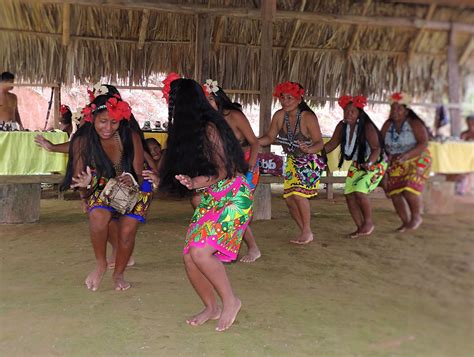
185 180
125 179
304 147
152 177
44 143
83 179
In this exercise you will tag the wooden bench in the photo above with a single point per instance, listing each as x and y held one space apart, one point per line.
20 196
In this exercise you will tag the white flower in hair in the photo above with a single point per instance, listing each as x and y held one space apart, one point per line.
100 89
212 86
76 117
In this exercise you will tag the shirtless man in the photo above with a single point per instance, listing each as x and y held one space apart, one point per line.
9 116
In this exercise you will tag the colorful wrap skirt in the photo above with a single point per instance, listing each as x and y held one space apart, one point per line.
138 212
409 175
252 176
221 218
364 181
302 175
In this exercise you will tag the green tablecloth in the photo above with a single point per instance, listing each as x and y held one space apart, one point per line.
19 155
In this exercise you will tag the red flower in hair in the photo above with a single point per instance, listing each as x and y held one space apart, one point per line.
167 85
344 100
291 88
64 109
396 97
87 113
359 101
91 95
118 110
204 89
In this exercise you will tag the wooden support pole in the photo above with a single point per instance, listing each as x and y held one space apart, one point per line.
66 24
143 29
263 194
203 47
56 106
454 87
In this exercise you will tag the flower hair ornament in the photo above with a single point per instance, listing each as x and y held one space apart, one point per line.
359 101
400 98
97 89
167 84
210 86
291 88
76 118
117 108
64 109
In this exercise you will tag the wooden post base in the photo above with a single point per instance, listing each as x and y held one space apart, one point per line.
262 202
438 197
19 203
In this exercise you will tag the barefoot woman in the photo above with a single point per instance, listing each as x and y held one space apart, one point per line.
238 122
203 154
298 130
406 143
361 142
107 147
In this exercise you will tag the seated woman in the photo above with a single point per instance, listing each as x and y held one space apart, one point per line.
106 147
362 143
406 143
240 125
154 149
296 128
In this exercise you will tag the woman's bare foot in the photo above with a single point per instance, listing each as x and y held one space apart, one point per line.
111 263
305 238
228 315
94 278
366 230
414 223
252 255
120 284
209 313
401 229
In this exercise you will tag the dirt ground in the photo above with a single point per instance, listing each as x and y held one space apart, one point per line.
387 295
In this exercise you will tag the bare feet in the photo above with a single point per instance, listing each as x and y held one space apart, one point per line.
94 278
415 223
401 229
120 284
305 238
111 263
251 256
228 315
353 234
209 313
366 230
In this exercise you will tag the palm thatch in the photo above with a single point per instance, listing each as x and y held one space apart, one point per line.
105 41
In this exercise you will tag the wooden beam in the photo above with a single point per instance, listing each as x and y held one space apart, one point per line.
66 24
454 88
467 51
203 47
296 26
357 28
250 13
414 43
143 29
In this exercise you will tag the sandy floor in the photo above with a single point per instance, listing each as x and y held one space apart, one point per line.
388 295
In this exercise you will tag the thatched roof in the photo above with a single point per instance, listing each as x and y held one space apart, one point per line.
388 47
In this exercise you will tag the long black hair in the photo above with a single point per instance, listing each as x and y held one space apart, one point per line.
189 150
224 103
363 123
86 145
